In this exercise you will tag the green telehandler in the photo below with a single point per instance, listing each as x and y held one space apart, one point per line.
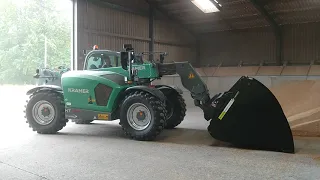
118 85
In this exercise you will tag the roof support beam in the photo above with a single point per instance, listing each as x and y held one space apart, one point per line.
156 6
265 14
277 30
112 5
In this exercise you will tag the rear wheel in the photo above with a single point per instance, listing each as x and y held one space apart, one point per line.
176 109
142 115
45 112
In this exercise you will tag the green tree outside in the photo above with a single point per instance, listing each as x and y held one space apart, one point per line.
23 28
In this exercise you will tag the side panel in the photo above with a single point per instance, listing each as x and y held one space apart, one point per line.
82 114
91 92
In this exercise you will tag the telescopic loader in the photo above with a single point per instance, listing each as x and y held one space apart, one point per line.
247 116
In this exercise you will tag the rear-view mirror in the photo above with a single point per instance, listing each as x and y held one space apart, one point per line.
124 57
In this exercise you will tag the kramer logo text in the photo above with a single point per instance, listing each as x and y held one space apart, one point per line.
138 68
82 91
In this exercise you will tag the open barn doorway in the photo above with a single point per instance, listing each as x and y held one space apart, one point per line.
34 34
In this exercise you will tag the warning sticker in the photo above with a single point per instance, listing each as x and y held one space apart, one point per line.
226 109
191 76
103 116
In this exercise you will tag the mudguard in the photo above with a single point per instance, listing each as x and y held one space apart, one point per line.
44 88
171 88
254 119
154 91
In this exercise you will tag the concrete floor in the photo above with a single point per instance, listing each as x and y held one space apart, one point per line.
101 151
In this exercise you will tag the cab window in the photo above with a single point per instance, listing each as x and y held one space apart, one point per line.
102 60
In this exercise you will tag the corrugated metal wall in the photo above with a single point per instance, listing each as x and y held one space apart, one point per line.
110 29
301 44
229 48
171 38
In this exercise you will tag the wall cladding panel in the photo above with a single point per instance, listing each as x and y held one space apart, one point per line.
110 29
176 53
112 21
230 48
171 32
301 45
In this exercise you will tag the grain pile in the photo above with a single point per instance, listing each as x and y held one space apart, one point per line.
300 101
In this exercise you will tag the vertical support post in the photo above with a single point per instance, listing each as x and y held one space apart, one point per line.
74 36
279 46
151 31
277 30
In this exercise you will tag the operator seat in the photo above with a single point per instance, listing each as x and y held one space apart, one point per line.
107 62
92 66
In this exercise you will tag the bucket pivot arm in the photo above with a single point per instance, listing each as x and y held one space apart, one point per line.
197 88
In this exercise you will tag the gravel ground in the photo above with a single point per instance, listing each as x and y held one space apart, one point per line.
101 151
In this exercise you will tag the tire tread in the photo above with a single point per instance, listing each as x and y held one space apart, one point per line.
177 117
62 121
159 111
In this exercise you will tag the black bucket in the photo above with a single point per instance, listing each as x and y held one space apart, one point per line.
255 120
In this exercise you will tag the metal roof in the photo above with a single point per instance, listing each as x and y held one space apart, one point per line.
234 14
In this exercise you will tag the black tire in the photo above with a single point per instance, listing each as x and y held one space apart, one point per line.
77 121
156 109
59 121
176 109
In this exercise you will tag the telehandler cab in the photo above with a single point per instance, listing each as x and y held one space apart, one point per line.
247 116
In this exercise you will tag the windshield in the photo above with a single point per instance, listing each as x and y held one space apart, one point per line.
99 60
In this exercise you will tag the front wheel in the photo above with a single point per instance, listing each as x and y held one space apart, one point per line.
45 112
142 115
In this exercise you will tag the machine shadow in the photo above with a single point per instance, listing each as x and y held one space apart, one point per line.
183 136
175 136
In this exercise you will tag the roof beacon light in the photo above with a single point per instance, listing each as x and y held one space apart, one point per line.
95 47
205 5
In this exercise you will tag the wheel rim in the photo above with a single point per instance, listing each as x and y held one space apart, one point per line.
138 116
43 112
